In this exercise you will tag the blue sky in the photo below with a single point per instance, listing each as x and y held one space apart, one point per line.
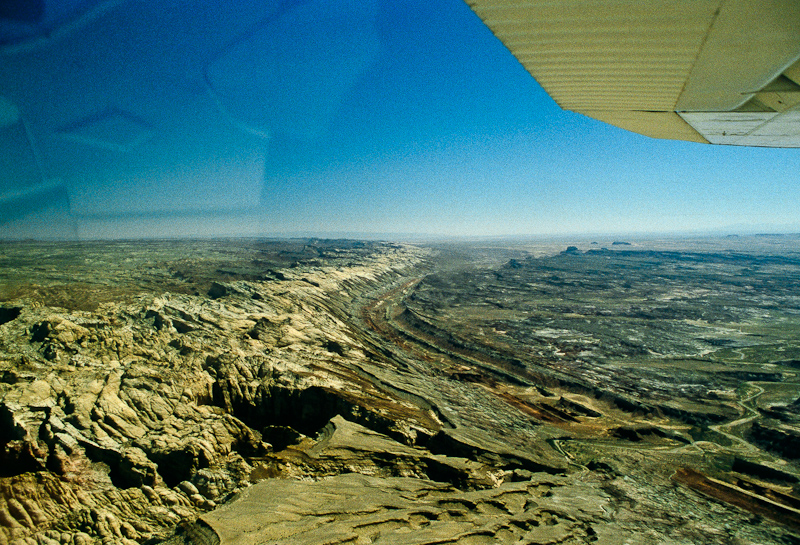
447 133
392 116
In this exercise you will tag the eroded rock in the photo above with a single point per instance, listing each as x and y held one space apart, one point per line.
147 412
287 398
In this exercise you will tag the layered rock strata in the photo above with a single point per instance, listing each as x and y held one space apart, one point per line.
270 393
118 423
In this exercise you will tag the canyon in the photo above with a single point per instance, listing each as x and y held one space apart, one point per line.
338 391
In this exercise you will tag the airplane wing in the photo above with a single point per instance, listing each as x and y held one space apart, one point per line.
717 71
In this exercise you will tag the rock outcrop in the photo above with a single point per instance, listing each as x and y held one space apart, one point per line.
118 423
273 392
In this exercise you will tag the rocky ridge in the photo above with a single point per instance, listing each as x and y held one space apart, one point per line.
266 402
121 422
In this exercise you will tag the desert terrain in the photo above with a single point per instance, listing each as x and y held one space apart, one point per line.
247 391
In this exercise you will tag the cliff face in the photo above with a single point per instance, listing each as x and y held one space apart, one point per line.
242 392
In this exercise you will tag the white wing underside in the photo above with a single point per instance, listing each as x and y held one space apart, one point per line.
718 71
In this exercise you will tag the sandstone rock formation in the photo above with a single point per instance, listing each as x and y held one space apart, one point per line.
120 422
244 392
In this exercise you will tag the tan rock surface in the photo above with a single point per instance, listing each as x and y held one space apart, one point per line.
401 510
252 392
107 412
